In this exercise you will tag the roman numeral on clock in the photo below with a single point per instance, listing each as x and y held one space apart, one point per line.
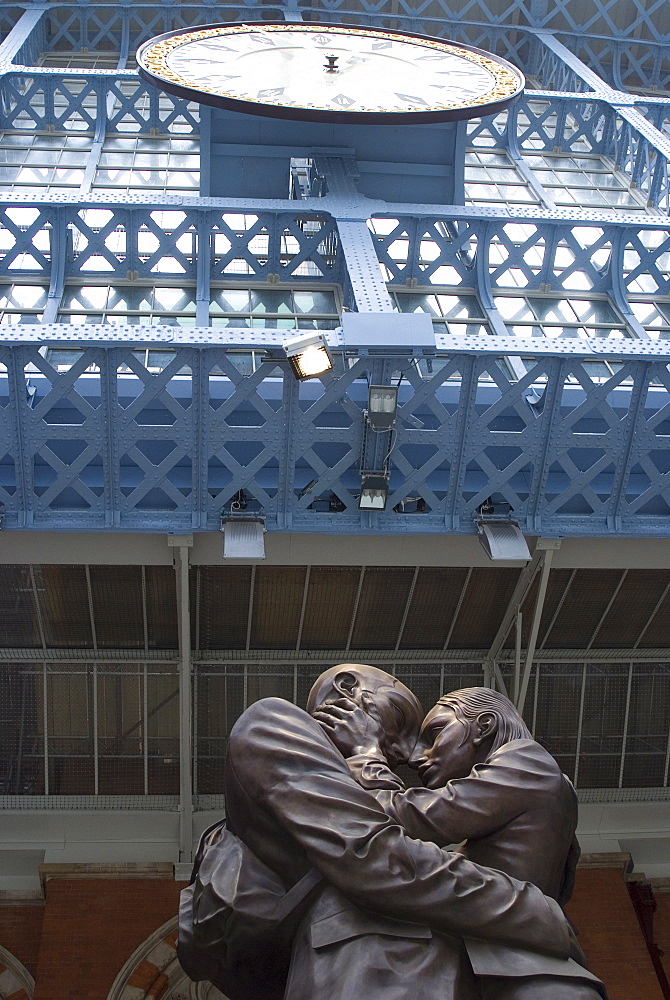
343 101
409 99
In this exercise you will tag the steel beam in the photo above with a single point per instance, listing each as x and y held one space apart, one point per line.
548 545
363 270
523 585
110 439
221 658
20 33
182 544
204 338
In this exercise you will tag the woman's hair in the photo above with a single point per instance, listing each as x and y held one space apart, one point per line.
469 703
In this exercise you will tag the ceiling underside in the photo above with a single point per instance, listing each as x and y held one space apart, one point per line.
90 657
327 608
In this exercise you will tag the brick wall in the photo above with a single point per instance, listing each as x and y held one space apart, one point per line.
92 926
610 935
21 931
662 921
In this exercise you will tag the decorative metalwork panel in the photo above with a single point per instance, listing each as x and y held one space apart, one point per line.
518 254
567 124
273 243
110 443
553 73
49 101
70 25
133 242
137 107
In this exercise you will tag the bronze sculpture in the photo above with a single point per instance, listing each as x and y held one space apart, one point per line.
489 783
384 915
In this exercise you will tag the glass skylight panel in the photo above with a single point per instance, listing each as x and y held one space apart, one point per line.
535 316
22 303
586 181
128 304
274 309
137 163
492 178
271 302
458 314
79 60
41 162
654 317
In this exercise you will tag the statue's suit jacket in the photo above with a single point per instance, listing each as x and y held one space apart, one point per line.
291 798
516 811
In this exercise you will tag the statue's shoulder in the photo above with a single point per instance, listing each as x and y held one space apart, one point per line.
269 712
273 739
529 755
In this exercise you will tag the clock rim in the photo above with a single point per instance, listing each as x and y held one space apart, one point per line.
324 115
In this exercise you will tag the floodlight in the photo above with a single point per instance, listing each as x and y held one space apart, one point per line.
243 537
503 540
308 355
382 406
374 491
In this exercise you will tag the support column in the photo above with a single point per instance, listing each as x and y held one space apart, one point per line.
367 284
351 215
181 545
548 546
523 585
60 239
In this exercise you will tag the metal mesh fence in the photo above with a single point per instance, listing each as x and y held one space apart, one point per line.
89 728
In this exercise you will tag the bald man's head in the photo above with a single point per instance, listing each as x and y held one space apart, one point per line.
398 709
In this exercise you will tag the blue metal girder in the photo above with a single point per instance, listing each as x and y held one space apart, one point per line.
195 243
543 249
118 446
71 19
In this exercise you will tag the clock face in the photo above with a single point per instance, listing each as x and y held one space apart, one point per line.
329 73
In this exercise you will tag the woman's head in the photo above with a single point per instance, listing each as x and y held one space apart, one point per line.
462 729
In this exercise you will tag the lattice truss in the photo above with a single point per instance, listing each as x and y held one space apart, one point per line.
140 243
110 443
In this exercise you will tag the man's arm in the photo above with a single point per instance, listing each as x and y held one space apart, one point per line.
289 767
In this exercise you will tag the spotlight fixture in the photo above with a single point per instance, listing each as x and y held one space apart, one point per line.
501 536
243 537
374 491
382 406
503 540
308 355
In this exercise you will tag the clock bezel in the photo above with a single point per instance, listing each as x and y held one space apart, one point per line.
475 109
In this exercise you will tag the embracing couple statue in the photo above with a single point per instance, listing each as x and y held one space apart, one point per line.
366 900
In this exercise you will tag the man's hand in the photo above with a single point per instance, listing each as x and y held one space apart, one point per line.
353 729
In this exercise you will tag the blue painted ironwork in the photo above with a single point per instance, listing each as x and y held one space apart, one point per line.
71 21
109 443
118 445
